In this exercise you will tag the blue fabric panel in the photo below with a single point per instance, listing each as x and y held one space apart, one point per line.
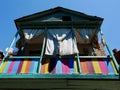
15 67
35 65
71 65
58 66
32 66
109 66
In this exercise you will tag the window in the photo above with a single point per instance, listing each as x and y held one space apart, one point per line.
66 18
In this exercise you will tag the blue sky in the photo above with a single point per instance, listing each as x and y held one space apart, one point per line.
107 9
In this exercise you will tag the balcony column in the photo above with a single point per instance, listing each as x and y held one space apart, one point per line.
109 50
12 43
78 59
43 48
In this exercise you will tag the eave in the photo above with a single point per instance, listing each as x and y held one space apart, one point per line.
55 24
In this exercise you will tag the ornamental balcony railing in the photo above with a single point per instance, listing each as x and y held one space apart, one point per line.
59 67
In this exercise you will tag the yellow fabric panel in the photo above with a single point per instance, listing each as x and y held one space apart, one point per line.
76 66
24 66
3 66
47 66
96 66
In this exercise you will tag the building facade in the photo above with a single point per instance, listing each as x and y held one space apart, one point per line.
61 49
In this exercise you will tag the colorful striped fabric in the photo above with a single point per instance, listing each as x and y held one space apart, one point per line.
19 66
69 66
59 66
97 66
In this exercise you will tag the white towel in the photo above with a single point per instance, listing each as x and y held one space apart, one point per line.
68 46
31 33
51 46
60 42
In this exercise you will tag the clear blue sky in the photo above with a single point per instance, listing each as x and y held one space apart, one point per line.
107 9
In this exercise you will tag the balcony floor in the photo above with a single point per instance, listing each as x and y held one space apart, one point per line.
59 84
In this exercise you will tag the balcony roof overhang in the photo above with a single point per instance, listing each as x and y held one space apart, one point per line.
59 24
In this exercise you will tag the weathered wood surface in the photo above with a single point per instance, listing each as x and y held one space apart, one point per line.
59 84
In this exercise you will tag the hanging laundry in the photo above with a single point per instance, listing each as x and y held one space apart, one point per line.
60 42
86 34
51 45
31 33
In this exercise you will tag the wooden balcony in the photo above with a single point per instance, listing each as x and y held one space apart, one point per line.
59 73
92 67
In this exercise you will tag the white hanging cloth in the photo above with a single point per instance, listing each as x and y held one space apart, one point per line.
85 33
31 33
60 41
